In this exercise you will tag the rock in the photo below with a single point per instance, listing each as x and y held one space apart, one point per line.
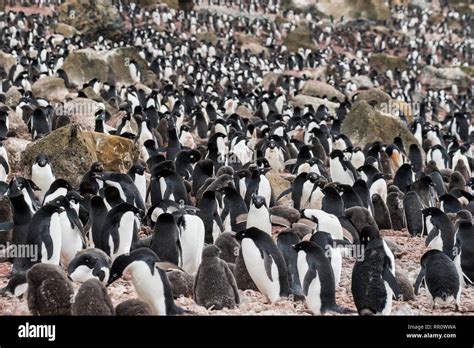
271 79
64 29
373 96
244 112
406 289
362 81
12 97
14 147
93 18
83 65
6 61
81 111
301 100
441 78
279 184
72 151
182 283
320 89
301 37
354 9
383 62
51 88
363 124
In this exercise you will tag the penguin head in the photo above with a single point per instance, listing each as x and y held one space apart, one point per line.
428 255
305 246
259 201
337 154
42 160
138 169
97 167
368 234
121 263
431 211
211 251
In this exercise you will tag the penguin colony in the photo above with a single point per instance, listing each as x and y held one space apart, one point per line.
198 214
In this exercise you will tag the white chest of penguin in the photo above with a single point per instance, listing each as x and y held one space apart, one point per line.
149 286
256 267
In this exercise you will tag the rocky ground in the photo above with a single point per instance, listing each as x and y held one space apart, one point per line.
254 303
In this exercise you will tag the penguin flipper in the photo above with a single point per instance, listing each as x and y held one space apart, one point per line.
388 276
418 281
267 262
431 235
284 193
308 278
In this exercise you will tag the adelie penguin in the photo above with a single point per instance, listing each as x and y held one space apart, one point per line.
464 252
373 282
285 242
150 281
137 173
317 278
92 299
119 230
440 277
440 231
208 212
88 264
342 171
45 232
234 207
165 241
72 231
42 175
264 263
412 205
215 285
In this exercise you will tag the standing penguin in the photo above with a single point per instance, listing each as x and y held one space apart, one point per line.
464 252
45 232
412 206
234 206
440 230
191 240
72 231
137 173
259 215
208 212
264 263
342 171
285 242
42 175
395 208
372 277
165 241
150 281
441 278
119 230
317 278
49 290
332 252
92 299
215 284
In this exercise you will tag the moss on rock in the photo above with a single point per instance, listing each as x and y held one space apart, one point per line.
383 62
363 124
